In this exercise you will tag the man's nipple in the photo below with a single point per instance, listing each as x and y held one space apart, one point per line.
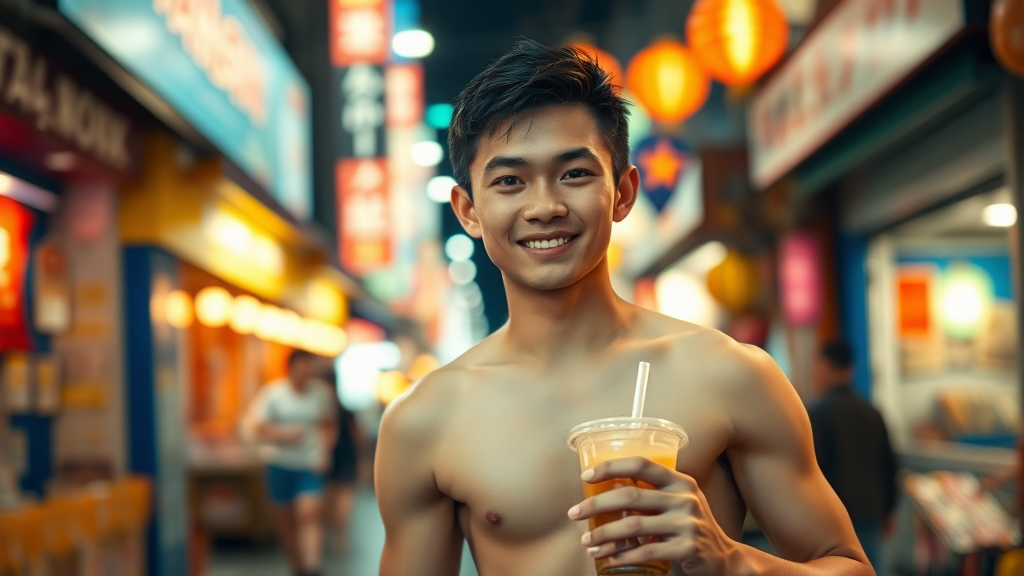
493 517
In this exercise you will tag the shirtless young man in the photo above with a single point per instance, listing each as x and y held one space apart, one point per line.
477 450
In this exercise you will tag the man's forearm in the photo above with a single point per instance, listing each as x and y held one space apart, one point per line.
750 561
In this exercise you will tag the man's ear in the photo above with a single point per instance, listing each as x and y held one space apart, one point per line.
462 204
625 194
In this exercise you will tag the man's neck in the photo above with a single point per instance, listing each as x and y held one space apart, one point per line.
553 324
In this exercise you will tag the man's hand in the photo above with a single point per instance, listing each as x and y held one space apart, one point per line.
676 514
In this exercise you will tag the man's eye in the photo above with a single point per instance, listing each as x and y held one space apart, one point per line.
577 173
508 181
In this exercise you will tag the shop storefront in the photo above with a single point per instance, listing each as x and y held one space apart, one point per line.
887 129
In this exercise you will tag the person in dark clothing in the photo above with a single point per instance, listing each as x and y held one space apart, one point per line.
342 475
853 450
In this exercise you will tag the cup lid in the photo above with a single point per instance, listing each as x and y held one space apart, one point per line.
627 423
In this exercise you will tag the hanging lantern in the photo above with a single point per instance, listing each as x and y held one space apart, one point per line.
605 60
1006 30
667 81
734 283
736 41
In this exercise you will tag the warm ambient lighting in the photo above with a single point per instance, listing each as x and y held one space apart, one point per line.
269 323
999 215
413 43
965 300
439 188
737 41
213 306
178 309
390 385
239 240
426 153
667 81
245 314
290 331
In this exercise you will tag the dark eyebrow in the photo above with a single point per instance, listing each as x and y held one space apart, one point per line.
582 153
505 162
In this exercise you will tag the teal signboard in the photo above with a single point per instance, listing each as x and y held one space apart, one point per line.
216 63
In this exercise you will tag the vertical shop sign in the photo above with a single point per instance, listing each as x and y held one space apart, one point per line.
15 224
404 96
800 279
365 234
360 38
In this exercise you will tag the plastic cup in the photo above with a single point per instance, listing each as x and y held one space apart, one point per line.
611 439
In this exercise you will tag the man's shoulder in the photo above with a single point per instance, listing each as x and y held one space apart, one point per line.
421 411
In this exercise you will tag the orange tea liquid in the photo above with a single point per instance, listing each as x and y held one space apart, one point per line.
589 490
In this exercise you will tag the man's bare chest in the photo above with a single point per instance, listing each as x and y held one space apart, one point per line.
509 467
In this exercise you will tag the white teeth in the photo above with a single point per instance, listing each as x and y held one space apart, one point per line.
546 244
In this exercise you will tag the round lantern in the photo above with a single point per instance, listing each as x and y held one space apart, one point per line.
734 283
736 41
604 60
1007 34
667 81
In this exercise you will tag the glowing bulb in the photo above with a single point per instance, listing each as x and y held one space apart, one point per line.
413 43
439 188
245 314
270 321
391 385
462 271
6 183
965 300
213 306
290 331
458 247
1000 215
178 309
426 153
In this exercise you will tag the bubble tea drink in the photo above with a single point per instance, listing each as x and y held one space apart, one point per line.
613 438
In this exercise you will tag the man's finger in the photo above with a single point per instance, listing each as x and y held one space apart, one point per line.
631 498
638 468
654 551
609 538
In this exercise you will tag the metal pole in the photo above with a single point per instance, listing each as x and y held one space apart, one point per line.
1013 122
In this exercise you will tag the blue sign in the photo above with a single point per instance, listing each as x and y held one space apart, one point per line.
216 63
661 161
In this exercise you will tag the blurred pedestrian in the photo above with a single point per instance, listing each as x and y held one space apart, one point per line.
342 474
853 450
294 421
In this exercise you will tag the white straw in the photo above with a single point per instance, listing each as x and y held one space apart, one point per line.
641 389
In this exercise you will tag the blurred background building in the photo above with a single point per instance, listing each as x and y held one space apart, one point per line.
191 190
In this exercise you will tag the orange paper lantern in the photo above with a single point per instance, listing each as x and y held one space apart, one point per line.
734 283
604 59
736 41
1007 34
667 81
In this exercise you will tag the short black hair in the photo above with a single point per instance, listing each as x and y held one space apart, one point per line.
531 75
838 353
298 355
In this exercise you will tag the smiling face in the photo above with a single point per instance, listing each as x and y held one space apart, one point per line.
545 196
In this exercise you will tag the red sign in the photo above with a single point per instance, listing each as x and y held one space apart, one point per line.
913 289
360 32
15 224
800 277
403 95
364 234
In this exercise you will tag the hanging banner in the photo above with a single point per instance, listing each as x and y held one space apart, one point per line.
661 161
15 224
800 279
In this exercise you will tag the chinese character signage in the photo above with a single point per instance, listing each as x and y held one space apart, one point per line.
360 32
216 64
364 222
361 99
800 279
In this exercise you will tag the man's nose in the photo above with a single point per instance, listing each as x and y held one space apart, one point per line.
544 203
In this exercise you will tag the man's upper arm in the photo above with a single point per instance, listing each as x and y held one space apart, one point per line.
775 468
422 535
